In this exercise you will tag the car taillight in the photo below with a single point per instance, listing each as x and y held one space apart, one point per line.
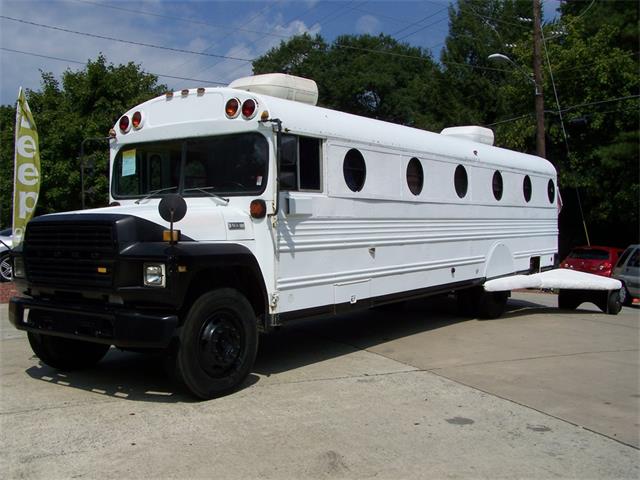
124 124
249 109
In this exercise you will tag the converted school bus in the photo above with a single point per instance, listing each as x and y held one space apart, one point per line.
238 209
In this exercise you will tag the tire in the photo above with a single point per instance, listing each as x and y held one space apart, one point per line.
625 296
218 344
66 353
479 303
614 302
567 301
492 304
6 274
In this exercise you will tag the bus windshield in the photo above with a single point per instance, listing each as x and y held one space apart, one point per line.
225 165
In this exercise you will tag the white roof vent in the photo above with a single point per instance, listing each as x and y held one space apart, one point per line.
471 133
280 85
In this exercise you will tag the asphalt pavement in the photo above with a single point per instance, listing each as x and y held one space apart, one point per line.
409 391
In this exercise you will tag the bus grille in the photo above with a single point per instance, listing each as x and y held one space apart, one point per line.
69 255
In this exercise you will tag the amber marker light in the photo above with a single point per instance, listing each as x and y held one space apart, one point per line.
166 235
258 209
232 108
264 116
102 269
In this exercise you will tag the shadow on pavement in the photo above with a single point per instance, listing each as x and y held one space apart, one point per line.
143 377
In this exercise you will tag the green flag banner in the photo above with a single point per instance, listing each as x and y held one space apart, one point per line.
26 172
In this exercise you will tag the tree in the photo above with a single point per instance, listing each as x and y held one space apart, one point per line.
86 103
373 76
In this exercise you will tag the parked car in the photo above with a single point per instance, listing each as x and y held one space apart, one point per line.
591 259
5 261
627 270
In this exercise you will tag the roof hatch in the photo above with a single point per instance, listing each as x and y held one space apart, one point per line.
280 85
472 133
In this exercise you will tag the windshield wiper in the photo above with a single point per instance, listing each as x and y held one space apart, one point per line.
206 190
152 193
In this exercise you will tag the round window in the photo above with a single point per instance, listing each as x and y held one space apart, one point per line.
496 184
526 188
354 169
551 191
415 176
461 181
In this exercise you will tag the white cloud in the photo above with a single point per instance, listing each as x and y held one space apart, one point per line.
367 24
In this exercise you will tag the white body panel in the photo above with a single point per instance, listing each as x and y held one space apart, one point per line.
340 246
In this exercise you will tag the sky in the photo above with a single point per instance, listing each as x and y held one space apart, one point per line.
204 42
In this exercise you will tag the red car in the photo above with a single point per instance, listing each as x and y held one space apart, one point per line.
591 259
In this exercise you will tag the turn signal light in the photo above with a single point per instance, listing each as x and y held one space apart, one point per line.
249 109
166 235
232 108
124 124
258 209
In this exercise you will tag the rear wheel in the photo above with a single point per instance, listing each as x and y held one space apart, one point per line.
482 304
66 353
218 344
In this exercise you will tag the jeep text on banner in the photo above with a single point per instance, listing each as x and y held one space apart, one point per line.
26 173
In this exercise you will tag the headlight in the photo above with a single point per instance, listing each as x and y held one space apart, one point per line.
18 267
154 275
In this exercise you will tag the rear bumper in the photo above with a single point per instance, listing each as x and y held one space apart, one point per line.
113 326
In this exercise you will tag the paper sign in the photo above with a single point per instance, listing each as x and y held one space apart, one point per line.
128 163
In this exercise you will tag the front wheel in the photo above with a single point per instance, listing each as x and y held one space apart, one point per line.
218 344
66 353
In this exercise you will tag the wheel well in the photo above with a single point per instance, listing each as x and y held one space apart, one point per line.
241 278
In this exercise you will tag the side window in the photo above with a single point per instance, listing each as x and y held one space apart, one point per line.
624 256
551 191
634 261
526 188
461 181
496 185
300 163
415 176
354 170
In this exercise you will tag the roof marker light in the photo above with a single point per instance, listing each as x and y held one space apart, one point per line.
168 95
200 91
232 108
249 108
124 124
184 92
136 120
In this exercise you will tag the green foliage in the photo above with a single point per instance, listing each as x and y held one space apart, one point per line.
374 76
86 103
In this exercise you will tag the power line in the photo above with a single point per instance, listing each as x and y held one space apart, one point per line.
180 19
130 42
84 63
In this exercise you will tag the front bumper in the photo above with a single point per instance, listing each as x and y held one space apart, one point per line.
100 324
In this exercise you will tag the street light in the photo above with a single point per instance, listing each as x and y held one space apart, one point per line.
540 143
504 58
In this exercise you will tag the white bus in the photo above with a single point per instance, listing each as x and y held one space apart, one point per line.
234 210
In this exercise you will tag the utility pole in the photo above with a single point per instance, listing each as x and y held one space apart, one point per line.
537 77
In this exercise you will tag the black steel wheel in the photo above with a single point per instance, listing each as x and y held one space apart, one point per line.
218 344
482 304
66 353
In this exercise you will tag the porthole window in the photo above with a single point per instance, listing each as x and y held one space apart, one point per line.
461 181
551 191
354 170
497 186
526 188
415 176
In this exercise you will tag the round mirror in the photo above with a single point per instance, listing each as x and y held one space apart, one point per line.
172 207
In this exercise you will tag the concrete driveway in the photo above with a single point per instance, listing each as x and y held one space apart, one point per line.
412 391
